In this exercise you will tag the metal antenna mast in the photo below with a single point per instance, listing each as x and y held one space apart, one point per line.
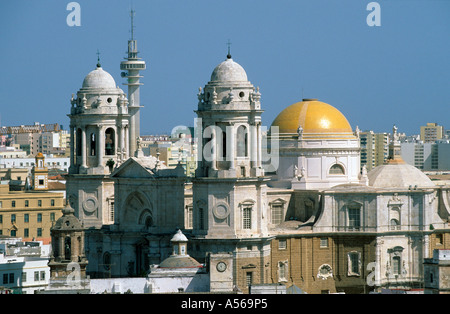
132 13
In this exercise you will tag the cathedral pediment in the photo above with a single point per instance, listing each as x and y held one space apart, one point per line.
146 167
135 168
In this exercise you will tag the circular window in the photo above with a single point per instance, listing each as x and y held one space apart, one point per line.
221 211
241 94
109 100
90 205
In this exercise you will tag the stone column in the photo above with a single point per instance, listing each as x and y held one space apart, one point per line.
72 147
61 246
259 143
213 149
101 145
73 248
120 138
254 145
126 142
231 138
83 147
81 248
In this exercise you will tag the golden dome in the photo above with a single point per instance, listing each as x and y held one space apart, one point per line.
316 119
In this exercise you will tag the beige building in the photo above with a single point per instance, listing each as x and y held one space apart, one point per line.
14 174
374 148
30 214
431 132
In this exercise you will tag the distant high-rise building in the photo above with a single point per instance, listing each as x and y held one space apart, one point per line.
431 132
427 156
374 148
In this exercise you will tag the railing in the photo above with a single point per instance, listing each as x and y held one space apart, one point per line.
356 228
132 66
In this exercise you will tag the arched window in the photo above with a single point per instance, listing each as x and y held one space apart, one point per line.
107 260
247 217
224 145
337 170
67 248
277 211
396 265
110 142
79 243
93 145
146 218
394 225
242 141
78 142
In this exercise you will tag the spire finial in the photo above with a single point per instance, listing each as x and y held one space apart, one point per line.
98 59
229 49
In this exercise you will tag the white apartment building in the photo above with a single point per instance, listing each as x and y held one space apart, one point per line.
9 152
427 156
23 265
61 163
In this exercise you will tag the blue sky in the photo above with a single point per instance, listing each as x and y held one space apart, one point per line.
397 73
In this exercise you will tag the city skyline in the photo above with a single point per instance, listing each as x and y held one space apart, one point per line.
377 76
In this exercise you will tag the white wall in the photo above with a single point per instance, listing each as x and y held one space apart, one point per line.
119 285
160 284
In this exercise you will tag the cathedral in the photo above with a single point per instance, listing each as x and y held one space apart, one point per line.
310 217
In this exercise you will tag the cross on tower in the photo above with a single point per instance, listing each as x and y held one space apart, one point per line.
229 49
98 58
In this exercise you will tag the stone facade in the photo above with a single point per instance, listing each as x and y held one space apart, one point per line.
437 273
319 221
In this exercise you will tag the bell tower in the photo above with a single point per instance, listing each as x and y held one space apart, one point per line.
229 124
40 174
99 123
229 185
68 260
